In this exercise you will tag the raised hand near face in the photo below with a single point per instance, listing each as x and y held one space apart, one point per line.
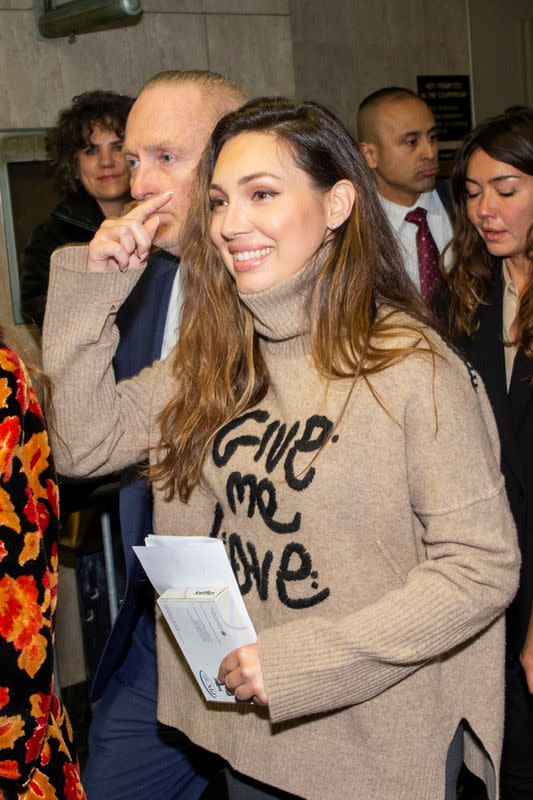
124 242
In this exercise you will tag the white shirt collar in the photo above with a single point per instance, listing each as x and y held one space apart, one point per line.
396 213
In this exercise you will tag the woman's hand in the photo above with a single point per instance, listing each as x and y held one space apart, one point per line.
124 242
241 673
526 656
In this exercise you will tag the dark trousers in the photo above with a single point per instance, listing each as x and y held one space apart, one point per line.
131 755
454 762
242 787
517 755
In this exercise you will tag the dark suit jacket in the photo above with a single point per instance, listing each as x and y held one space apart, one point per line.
443 190
514 416
141 322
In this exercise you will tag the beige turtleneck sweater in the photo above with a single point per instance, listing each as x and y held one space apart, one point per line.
376 573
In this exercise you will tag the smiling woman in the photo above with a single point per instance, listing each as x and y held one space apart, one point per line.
103 171
309 419
488 302
85 150
267 224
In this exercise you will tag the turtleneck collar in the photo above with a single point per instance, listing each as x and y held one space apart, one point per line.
280 313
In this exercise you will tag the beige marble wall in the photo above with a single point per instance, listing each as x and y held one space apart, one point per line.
247 40
345 49
498 26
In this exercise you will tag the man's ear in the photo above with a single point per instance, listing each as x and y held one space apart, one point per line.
341 199
368 151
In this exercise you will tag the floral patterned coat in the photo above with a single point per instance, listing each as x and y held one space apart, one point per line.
37 757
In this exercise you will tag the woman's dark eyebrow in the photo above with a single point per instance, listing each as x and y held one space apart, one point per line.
247 178
503 178
494 180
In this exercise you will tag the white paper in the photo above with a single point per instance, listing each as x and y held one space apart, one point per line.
184 562
180 567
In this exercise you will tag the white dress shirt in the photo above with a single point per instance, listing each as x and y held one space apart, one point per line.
439 225
170 335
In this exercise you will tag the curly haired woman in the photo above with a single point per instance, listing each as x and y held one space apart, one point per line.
85 152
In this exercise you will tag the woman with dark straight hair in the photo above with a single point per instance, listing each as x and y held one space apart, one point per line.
488 302
314 421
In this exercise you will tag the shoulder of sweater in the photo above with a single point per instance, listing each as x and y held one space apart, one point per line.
397 329
430 366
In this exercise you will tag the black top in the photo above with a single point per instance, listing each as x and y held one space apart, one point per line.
74 220
513 411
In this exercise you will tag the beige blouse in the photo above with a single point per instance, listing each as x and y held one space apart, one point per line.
510 308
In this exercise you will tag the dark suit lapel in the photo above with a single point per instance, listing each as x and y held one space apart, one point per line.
520 391
443 191
486 351
141 319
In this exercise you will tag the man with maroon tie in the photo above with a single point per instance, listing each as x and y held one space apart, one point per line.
397 135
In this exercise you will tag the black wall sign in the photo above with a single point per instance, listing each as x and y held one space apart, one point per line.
448 96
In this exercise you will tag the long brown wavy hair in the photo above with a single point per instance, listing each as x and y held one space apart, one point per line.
508 138
219 369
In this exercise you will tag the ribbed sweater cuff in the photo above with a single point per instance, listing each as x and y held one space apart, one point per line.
69 267
323 664
75 294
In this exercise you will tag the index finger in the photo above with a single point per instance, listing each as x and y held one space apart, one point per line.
146 208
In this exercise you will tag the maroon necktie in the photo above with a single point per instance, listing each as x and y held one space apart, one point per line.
426 250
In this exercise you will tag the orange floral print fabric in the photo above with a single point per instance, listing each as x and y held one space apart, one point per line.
37 756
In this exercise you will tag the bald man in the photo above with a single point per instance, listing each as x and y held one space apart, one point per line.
131 755
397 135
